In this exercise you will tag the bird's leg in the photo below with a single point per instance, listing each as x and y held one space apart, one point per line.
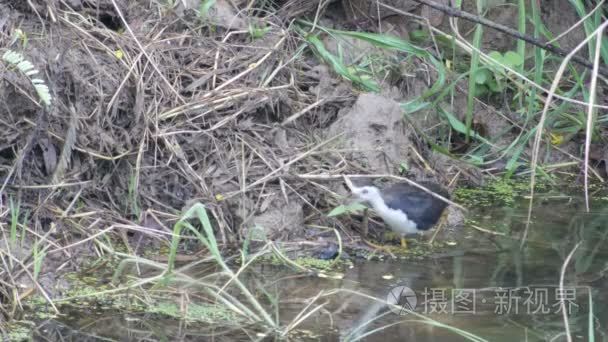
378 247
365 230
365 223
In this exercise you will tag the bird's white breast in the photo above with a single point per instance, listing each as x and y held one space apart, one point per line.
398 221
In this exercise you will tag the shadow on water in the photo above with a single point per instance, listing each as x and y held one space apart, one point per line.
487 285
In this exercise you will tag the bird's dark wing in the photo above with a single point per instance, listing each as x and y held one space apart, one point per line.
419 206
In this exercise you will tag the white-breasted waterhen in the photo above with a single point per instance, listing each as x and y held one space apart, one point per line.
404 208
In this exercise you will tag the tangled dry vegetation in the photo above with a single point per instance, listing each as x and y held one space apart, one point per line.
155 107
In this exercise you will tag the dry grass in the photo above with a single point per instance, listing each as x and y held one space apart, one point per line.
166 111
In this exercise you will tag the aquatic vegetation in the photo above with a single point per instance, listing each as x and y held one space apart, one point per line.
19 331
496 192
194 312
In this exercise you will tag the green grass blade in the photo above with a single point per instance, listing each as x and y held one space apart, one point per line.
521 44
590 25
472 83
379 40
394 43
521 27
199 212
339 67
460 127
14 220
591 320
512 164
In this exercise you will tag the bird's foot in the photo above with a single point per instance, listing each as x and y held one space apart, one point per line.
385 249
391 236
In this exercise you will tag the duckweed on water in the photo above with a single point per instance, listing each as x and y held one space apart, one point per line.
194 312
507 192
498 192
322 265
19 332
311 263
87 290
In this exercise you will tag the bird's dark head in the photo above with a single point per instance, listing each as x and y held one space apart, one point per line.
369 194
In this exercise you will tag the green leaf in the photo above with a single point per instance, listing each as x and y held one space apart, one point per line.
440 149
339 67
480 90
474 159
342 209
459 126
495 86
419 35
26 67
513 162
258 32
513 59
385 41
482 76
205 6
496 55
414 106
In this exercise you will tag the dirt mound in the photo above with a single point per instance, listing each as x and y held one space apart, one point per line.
375 131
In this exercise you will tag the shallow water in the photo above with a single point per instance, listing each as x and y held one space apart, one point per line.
487 285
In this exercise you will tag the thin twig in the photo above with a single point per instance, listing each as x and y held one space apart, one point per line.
143 50
250 68
591 113
562 302
303 111
487 231
578 23
286 165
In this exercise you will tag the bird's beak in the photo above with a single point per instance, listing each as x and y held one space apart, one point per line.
349 184
353 199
